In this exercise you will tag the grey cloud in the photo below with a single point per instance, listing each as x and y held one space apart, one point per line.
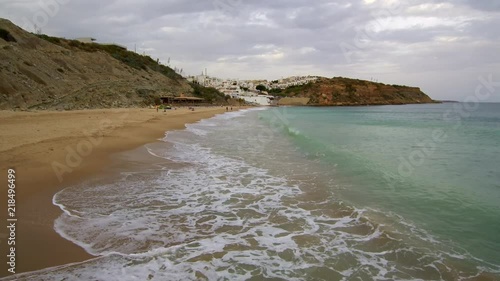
484 5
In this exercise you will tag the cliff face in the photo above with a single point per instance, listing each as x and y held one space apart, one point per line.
344 91
38 74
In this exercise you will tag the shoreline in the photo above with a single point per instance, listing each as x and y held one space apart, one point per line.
54 150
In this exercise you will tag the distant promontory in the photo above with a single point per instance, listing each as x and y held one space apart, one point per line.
340 91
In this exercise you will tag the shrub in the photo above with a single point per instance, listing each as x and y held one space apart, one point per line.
50 39
5 35
211 95
261 88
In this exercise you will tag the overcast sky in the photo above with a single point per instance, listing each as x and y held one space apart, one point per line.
441 46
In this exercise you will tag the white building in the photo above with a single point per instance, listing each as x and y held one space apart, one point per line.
259 99
86 40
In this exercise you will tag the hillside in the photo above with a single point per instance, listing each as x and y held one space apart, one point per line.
42 72
344 91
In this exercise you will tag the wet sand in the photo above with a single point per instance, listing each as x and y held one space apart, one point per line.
53 150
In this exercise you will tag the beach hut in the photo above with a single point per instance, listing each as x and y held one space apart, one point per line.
182 100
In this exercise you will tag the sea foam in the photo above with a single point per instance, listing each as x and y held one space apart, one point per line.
218 217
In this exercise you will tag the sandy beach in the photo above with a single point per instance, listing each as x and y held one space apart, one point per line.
52 150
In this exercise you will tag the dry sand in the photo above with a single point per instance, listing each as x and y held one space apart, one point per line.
75 145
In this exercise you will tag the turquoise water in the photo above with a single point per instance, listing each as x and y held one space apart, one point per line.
437 165
298 193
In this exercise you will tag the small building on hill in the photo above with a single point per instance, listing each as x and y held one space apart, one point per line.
86 39
90 40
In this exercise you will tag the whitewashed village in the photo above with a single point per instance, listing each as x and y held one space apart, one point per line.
251 91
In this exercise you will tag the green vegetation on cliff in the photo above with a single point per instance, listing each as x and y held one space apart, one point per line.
131 59
211 95
291 91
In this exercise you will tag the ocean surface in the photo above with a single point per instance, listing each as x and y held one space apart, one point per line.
300 193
